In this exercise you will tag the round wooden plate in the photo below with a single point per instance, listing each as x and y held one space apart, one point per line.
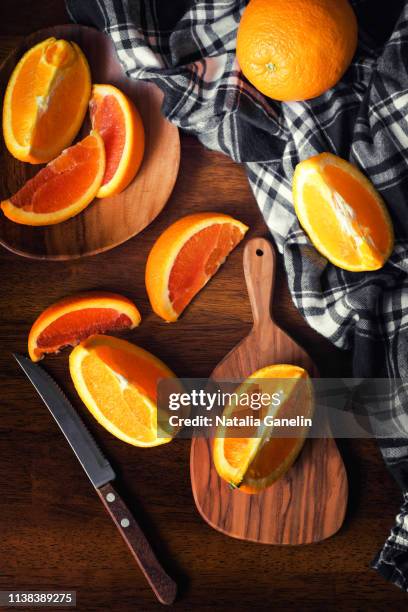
109 222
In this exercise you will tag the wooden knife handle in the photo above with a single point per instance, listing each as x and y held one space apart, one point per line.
162 585
259 270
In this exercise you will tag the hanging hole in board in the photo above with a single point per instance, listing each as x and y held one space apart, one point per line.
259 252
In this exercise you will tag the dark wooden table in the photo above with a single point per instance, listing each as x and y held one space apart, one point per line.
54 533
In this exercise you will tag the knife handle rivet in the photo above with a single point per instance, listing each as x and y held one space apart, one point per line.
110 497
125 522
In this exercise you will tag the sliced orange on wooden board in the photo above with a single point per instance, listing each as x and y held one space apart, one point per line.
63 188
118 121
186 256
342 213
254 463
117 381
77 317
46 100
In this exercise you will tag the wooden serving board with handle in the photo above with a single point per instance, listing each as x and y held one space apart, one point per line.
307 504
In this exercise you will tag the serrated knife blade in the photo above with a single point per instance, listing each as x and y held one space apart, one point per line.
96 466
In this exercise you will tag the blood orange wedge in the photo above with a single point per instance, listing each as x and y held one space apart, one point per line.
117 381
63 188
77 317
46 100
253 463
185 257
118 121
343 214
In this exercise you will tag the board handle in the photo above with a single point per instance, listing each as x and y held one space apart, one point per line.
259 270
161 584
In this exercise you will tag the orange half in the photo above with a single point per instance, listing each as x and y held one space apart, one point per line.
186 256
77 317
63 188
343 214
117 381
46 100
118 121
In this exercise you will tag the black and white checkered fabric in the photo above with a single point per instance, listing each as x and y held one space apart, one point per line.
187 48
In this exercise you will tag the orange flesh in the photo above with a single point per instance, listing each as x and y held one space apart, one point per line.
235 449
108 120
60 102
361 200
368 222
273 452
63 181
124 408
198 261
137 370
271 456
58 55
24 105
75 326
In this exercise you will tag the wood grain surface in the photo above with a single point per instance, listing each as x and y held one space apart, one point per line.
106 222
308 503
54 532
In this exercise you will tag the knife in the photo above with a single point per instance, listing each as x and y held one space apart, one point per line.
101 475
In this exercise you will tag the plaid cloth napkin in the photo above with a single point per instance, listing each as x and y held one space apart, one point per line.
187 48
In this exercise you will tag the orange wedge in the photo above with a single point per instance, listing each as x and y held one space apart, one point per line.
118 121
117 381
254 463
63 188
46 101
185 257
343 214
77 317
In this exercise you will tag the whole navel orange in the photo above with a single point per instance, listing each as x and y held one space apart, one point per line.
297 49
